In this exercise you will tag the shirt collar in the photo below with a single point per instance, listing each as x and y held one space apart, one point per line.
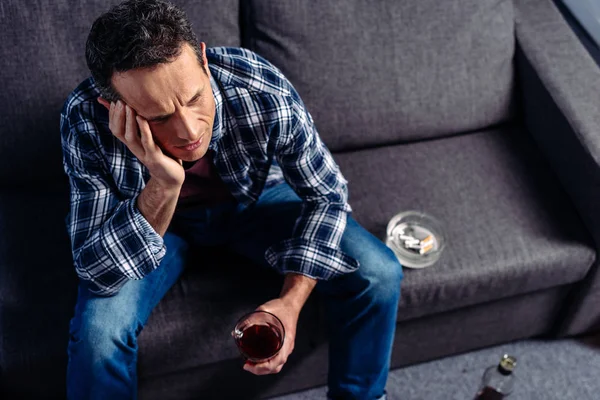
217 132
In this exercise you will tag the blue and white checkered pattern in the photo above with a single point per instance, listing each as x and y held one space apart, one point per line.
262 135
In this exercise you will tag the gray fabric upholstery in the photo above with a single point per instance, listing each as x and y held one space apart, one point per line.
37 293
507 220
561 96
510 228
416 341
422 82
373 73
42 50
584 37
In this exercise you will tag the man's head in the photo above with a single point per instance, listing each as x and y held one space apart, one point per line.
144 53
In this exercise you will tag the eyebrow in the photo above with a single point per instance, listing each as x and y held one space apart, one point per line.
163 117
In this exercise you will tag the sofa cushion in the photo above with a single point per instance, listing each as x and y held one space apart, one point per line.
386 72
42 51
510 227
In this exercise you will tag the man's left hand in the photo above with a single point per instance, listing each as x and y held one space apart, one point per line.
288 314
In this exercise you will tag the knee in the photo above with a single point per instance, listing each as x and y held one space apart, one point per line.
98 339
383 273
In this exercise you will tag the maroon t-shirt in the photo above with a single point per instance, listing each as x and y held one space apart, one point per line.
203 185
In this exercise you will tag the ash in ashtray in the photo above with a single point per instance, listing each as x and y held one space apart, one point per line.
406 236
416 238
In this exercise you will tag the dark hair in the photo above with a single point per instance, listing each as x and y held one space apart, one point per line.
136 34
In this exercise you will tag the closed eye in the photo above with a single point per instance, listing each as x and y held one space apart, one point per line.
194 99
160 120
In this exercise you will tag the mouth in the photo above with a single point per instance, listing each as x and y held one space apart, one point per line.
192 146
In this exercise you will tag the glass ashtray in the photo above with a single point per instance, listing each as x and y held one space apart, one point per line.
416 238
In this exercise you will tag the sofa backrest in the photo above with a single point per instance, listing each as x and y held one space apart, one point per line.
43 60
371 73
379 72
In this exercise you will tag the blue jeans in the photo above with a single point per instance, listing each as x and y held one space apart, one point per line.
361 306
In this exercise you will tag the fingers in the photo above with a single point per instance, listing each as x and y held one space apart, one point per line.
132 133
272 366
265 368
146 135
116 118
123 124
131 127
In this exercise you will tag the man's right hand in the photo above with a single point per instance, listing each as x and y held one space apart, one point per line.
134 131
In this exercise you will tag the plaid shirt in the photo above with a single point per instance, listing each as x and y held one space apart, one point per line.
262 135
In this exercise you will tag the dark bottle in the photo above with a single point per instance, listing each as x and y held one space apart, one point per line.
498 381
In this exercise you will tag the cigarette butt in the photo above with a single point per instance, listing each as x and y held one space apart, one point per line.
407 237
426 249
427 243
428 238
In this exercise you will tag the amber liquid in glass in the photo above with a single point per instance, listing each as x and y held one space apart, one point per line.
259 341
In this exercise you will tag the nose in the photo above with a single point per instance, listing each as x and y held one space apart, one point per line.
186 127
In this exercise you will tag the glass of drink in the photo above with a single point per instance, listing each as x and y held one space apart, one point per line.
259 336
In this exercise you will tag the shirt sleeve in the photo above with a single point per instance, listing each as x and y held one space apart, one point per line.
309 168
111 240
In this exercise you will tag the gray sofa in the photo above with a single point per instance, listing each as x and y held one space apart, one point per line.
483 113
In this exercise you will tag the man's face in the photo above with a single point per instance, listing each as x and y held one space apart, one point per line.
177 101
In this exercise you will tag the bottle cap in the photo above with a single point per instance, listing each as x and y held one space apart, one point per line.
507 364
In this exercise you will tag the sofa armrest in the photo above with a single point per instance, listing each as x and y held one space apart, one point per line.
559 84
587 13
582 34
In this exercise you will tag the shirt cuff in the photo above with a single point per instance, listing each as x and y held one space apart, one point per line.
154 240
314 259
143 245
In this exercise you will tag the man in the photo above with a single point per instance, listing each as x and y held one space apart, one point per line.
170 144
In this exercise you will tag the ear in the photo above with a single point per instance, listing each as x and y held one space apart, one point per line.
104 102
204 60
